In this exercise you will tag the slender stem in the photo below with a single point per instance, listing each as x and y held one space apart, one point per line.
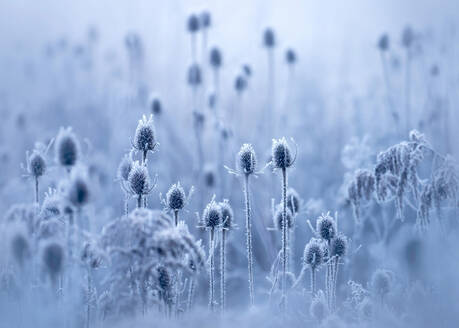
88 299
248 226
139 201
222 271
407 90
284 235
176 217
190 294
212 269
313 281
36 190
126 204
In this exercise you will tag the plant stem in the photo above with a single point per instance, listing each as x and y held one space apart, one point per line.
190 295
176 217
36 191
212 270
222 271
313 281
139 201
284 236
248 226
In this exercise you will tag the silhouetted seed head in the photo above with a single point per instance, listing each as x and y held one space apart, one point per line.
155 105
36 164
326 227
66 148
194 75
247 70
269 39
383 42
227 214
407 37
164 278
145 139
209 176
293 201
279 218
290 56
53 257
338 246
212 215
193 23
20 248
240 84
139 179
78 189
313 254
380 282
124 168
318 308
246 159
175 197
281 155
216 59
205 19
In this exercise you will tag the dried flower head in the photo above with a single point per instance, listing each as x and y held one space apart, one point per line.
407 37
227 215
66 148
193 23
194 75
205 19
293 201
175 197
124 168
338 246
313 253
52 204
78 191
290 56
145 136
139 179
20 247
247 70
269 39
318 308
155 105
279 218
246 159
281 154
216 59
326 227
164 278
383 42
240 84
212 215
36 164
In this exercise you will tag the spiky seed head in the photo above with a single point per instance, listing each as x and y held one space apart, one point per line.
313 254
407 37
247 70
383 42
216 59
212 215
145 138
124 168
175 197
155 105
20 248
53 258
246 159
281 154
290 56
194 75
37 164
139 179
338 246
381 282
205 19
318 308
52 204
66 147
240 83
193 23
78 191
326 227
227 214
269 39
293 201
279 218
164 278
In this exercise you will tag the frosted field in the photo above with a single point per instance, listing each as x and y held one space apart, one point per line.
231 164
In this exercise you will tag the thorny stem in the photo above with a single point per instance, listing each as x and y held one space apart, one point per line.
190 294
212 270
222 271
36 190
176 217
126 204
313 281
284 237
248 226
88 298
139 201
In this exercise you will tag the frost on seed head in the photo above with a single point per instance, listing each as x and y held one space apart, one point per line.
227 215
53 258
124 168
326 227
193 23
281 154
246 159
176 197
139 179
52 204
269 39
212 216
313 253
338 246
36 164
145 138
77 190
408 37
293 201
66 147
216 59
279 218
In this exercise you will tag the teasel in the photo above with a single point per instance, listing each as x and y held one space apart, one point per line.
139 182
193 26
145 137
124 168
36 165
227 226
176 199
67 148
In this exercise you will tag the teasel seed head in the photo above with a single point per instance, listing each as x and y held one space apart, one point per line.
326 227
67 148
246 159
293 201
216 59
53 258
383 42
78 191
205 19
281 154
338 246
279 218
269 39
381 282
313 254
145 136
290 56
193 23
212 215
176 197
155 104
20 247
227 215
194 75
124 168
36 164
139 179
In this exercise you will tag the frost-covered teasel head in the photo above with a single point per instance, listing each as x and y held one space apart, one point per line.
52 204
78 190
383 42
381 282
124 168
205 19
194 75
313 254
281 154
155 105
66 148
216 59
240 84
53 258
227 215
279 218
145 135
326 227
293 201
290 56
269 39
193 23
36 164
338 246
164 278
212 216
176 197
246 159
139 179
